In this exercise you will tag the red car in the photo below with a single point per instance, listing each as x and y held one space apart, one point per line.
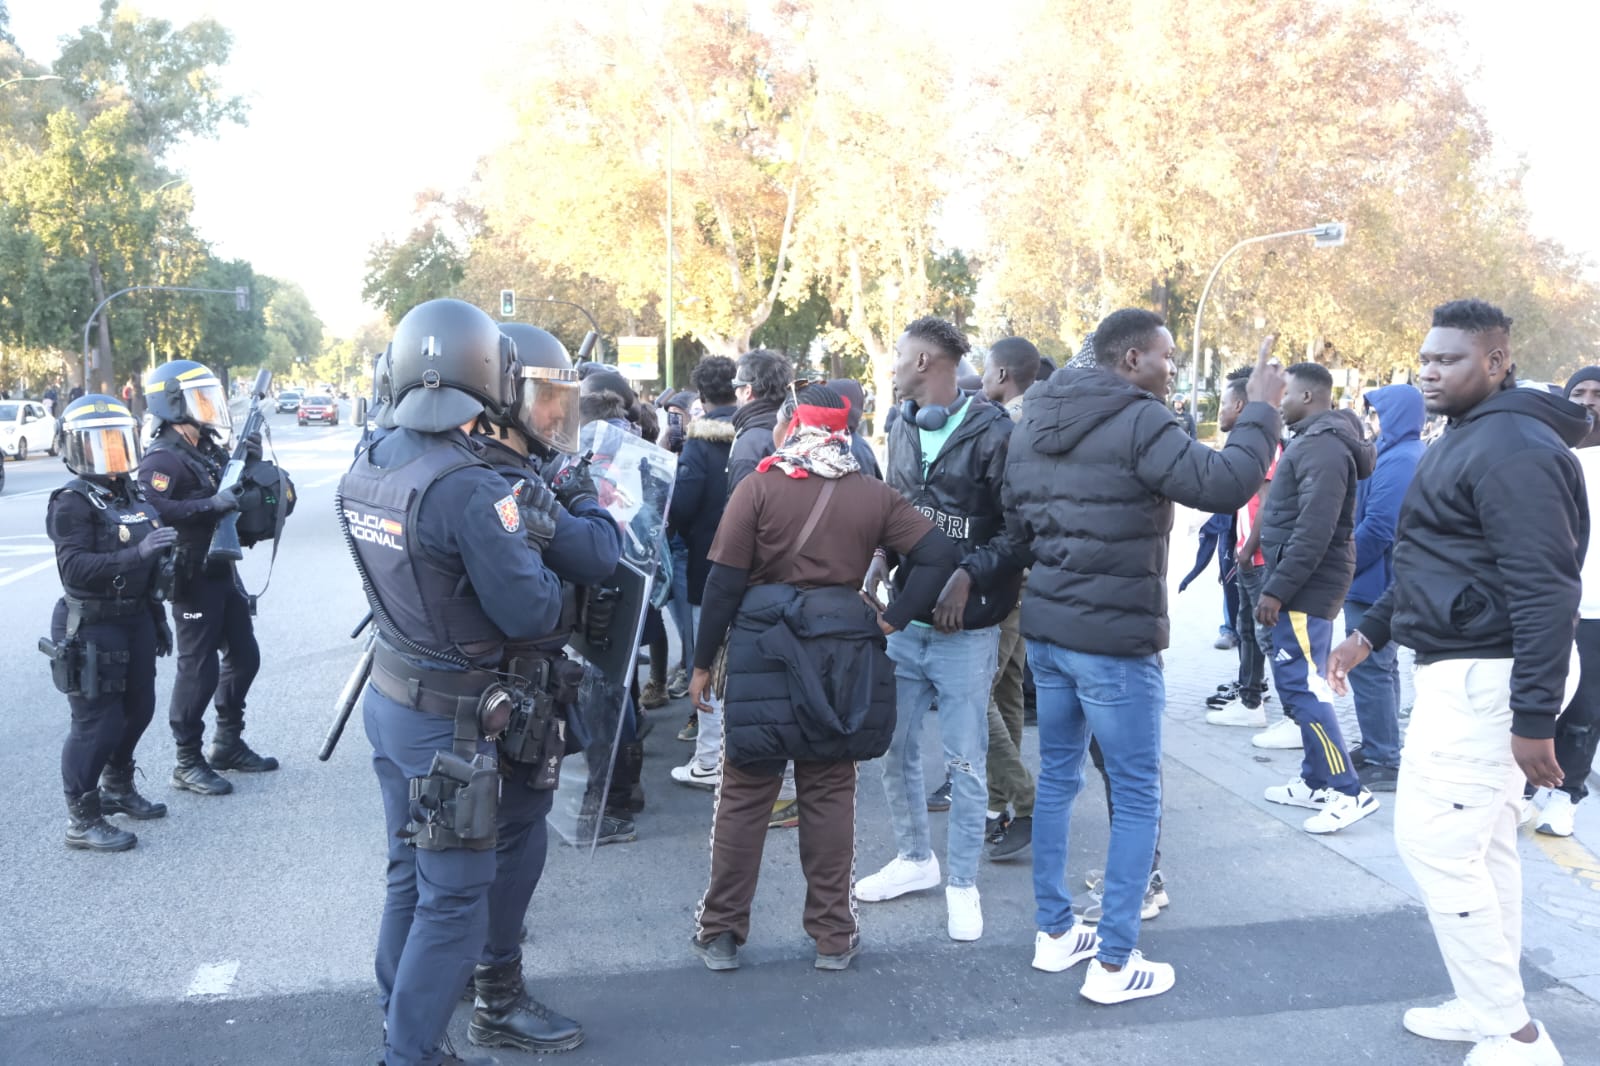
318 409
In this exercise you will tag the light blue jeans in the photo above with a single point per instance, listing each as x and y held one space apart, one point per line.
1375 687
1120 701
956 670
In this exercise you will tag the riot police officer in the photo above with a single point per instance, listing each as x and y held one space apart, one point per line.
109 626
450 557
521 441
181 476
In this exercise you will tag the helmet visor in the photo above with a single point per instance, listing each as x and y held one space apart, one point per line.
547 407
105 447
207 405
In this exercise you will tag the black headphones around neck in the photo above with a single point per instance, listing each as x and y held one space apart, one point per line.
933 417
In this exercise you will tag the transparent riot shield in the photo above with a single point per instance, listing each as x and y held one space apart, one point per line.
634 481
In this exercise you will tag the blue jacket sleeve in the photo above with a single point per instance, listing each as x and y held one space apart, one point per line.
519 593
1375 532
688 486
586 545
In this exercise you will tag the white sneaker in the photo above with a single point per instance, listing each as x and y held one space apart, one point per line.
898 878
1527 811
1450 1020
1556 818
1299 794
1234 712
1341 811
1137 979
966 912
694 775
1052 954
1506 1051
1283 734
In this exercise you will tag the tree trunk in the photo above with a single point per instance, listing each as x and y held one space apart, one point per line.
100 357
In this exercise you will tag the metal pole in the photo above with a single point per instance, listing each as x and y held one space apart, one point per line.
670 298
1200 308
87 326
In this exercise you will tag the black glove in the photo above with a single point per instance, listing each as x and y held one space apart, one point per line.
574 484
163 636
252 447
599 610
539 508
162 538
224 501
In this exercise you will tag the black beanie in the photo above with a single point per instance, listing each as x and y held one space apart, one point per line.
1588 373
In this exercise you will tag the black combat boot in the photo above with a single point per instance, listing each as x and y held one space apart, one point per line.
230 752
194 774
118 796
87 826
506 1016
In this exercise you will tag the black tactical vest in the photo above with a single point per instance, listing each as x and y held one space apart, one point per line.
428 602
121 520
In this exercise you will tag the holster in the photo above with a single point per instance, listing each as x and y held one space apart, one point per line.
454 806
65 663
536 735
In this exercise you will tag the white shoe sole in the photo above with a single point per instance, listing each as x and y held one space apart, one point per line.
1111 997
1066 962
1218 718
1293 801
708 783
1322 829
1553 830
873 894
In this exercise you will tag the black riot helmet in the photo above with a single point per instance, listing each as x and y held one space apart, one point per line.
448 362
99 438
546 404
184 392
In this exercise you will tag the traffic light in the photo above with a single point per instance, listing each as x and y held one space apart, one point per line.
508 303
241 299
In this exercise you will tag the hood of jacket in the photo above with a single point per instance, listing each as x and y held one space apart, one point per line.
1569 420
1072 403
1345 426
1400 414
715 425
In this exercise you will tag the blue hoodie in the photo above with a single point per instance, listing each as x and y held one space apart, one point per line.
1400 448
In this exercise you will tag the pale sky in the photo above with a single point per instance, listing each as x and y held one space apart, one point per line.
357 105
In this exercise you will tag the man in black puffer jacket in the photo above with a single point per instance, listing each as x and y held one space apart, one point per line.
1486 561
1307 526
947 455
1096 463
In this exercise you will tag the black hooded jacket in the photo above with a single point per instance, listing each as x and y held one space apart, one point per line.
961 494
1096 464
1489 548
1308 519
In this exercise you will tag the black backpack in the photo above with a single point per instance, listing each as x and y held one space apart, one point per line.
267 499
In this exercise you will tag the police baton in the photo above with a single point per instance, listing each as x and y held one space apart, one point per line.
349 694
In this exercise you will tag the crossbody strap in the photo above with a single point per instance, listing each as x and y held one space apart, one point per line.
815 516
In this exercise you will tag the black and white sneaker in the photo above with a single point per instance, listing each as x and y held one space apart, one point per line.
1138 979
1225 695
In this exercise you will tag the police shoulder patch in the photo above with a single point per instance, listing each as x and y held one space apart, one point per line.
160 482
506 510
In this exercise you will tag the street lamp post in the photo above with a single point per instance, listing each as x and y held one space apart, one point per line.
32 77
1326 234
241 301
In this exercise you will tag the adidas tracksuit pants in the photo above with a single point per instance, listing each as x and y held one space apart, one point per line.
1301 644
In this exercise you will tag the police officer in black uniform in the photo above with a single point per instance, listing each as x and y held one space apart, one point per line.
109 625
523 442
450 556
181 475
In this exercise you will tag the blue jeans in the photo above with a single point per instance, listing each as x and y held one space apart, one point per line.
1375 687
1120 700
678 607
956 670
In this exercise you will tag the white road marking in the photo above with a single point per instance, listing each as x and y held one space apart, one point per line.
26 571
213 979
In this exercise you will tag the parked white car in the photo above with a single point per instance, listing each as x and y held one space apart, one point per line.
26 427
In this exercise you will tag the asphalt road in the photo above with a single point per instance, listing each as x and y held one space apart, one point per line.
240 930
